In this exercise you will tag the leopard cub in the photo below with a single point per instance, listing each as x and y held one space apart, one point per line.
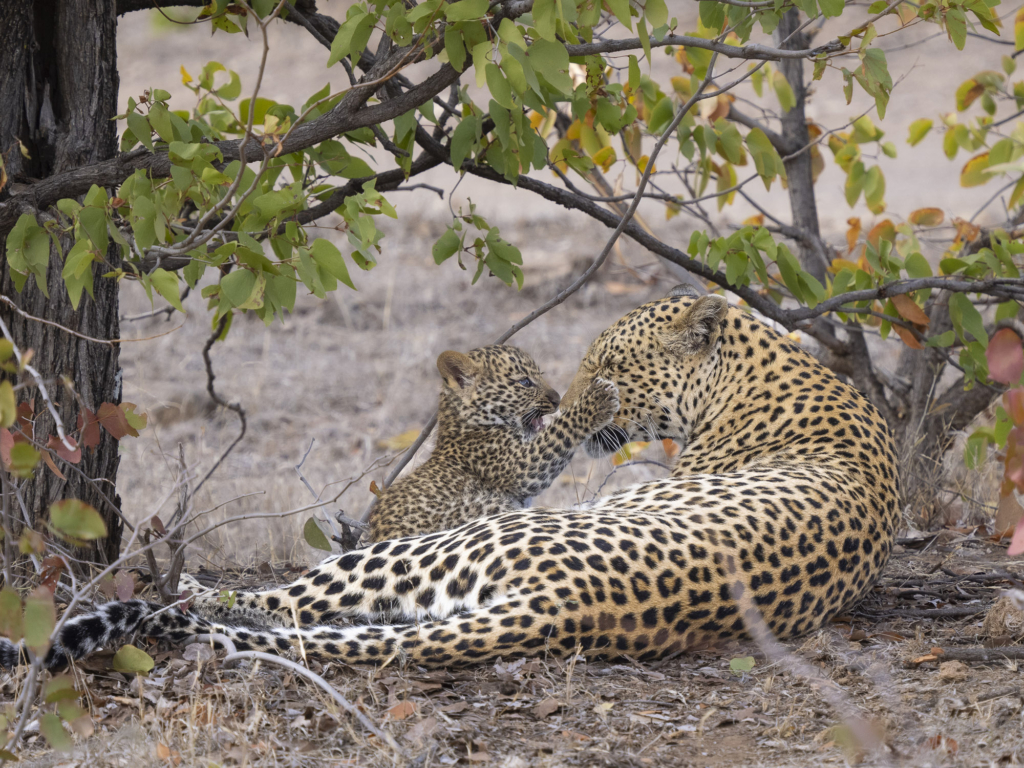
493 452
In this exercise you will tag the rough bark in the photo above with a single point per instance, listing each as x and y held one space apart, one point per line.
57 96
813 252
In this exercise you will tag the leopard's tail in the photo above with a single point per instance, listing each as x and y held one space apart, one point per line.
84 634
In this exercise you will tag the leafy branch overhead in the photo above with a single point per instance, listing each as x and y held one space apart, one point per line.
219 196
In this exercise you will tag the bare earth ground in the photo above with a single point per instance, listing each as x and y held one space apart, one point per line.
358 369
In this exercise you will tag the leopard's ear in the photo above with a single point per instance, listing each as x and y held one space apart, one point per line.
697 327
457 370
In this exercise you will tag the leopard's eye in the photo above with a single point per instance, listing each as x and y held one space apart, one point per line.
526 382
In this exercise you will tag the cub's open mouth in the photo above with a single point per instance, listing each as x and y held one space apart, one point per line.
535 423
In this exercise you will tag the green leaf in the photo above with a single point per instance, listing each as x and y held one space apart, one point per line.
51 727
551 63
544 17
783 90
313 535
656 12
40 619
139 127
455 48
464 10
832 8
966 317
232 90
917 266
60 688
766 159
446 246
12 622
620 8
94 222
166 284
741 664
956 27
327 256
24 459
132 660
77 519
238 286
498 85
462 140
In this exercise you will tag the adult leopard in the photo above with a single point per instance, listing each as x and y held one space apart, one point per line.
492 452
786 494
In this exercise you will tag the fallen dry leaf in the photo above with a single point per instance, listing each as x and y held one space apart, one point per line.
422 730
402 710
546 707
458 706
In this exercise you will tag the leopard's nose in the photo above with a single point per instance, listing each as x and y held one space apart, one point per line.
553 397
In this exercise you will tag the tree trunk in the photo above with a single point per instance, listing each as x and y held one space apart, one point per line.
58 94
814 254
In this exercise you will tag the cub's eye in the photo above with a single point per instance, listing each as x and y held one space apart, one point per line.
526 383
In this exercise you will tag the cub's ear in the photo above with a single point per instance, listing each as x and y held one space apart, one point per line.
457 370
697 328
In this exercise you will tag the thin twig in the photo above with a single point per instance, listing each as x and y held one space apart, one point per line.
236 407
323 685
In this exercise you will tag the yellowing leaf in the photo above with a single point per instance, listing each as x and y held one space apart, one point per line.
186 78
399 442
77 519
627 452
927 217
973 173
131 659
8 404
741 664
40 619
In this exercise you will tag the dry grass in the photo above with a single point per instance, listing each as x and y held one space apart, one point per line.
693 710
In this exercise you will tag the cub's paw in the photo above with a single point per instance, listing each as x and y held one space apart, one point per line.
599 404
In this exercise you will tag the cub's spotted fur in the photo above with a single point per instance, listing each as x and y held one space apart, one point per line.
491 453
784 502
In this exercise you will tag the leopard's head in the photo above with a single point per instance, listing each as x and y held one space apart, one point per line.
496 385
663 357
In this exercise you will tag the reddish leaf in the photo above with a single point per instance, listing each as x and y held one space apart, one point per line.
55 444
1005 355
25 413
114 421
89 428
907 337
51 569
908 309
158 525
1013 401
52 466
124 585
7 442
136 421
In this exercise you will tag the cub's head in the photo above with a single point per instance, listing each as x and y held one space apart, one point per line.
496 386
663 357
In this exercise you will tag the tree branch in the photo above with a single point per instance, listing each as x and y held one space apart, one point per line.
755 51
